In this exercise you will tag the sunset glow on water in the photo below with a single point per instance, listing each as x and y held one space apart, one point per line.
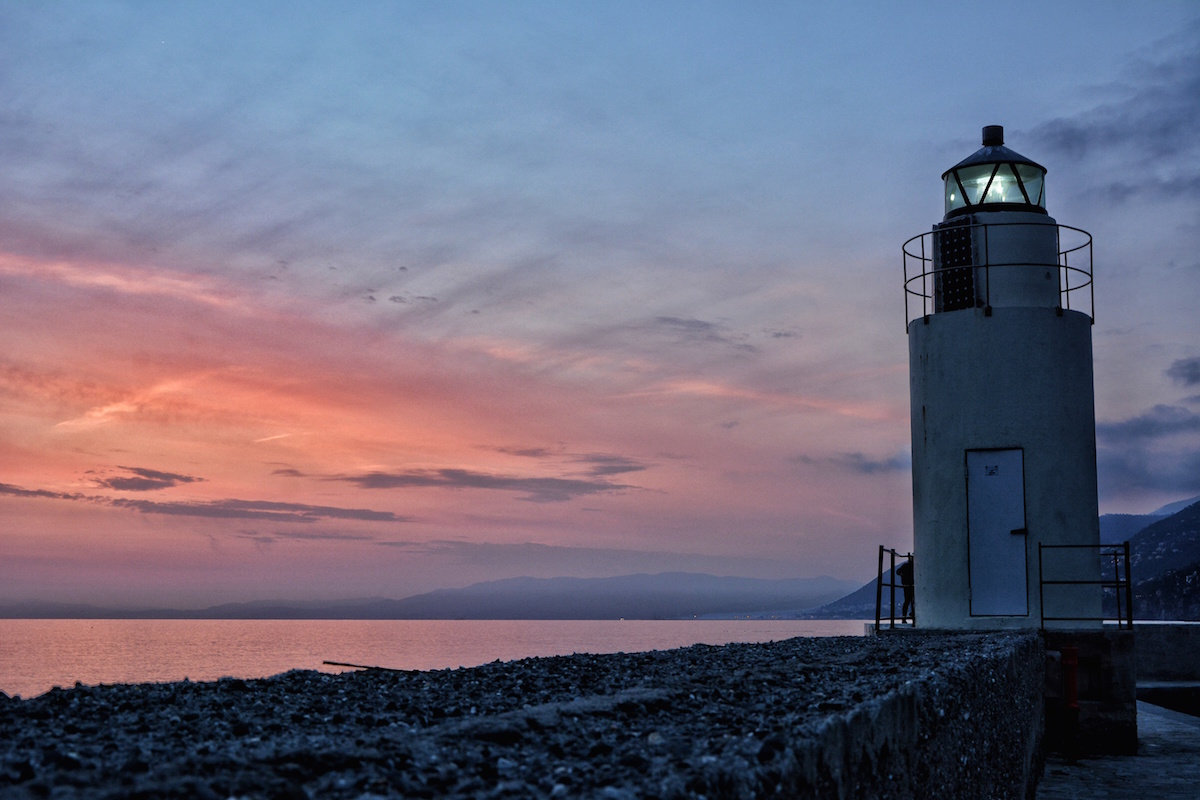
36 655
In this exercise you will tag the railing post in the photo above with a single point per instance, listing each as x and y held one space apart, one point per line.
1128 587
892 585
879 590
987 271
1041 588
1116 557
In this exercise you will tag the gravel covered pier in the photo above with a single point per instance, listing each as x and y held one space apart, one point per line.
925 715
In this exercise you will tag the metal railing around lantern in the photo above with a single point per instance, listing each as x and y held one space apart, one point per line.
1074 268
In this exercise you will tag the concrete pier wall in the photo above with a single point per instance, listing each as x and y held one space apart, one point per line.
901 715
970 730
1168 651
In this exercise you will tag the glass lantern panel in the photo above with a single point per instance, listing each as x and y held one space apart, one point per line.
974 180
1004 187
1035 183
954 195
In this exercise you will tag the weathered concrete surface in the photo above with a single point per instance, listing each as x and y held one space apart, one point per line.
925 715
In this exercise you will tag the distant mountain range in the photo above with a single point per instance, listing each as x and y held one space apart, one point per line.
1165 556
672 595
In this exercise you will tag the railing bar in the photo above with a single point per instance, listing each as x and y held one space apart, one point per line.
1070 297
1083 583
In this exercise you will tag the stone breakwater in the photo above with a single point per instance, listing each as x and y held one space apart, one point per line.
955 715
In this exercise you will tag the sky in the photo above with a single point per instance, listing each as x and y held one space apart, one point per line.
315 300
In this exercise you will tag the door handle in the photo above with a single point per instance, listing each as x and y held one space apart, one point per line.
1020 531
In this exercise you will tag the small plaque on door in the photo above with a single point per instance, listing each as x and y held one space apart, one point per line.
991 470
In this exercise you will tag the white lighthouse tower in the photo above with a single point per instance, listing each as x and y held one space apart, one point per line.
999 318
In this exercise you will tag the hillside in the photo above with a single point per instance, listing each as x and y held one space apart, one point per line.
1165 560
662 596
672 595
1171 543
1165 556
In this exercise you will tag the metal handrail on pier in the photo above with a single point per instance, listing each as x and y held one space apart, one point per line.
891 583
1121 581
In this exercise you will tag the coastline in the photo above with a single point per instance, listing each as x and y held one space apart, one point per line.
738 720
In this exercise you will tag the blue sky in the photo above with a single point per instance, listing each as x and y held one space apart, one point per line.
461 291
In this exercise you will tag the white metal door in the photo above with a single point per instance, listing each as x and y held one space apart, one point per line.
996 532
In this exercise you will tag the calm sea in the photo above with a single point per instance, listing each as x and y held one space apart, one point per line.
37 655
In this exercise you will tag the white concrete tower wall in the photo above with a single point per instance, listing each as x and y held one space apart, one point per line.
1019 379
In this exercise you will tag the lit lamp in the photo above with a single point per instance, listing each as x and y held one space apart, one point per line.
994 178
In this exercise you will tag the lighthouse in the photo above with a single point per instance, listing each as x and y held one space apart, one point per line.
999 318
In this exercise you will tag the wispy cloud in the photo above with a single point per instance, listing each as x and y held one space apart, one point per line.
1160 421
534 489
601 464
304 534
1154 124
860 462
256 509
145 480
595 464
691 331
525 452
217 509
120 279
17 491
1127 470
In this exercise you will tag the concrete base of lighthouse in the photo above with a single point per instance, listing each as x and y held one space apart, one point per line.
1001 464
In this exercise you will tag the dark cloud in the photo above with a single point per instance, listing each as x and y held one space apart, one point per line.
218 509
1157 123
146 480
535 489
860 463
598 464
1185 371
1162 420
1121 470
610 465
288 472
256 509
526 452
17 491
